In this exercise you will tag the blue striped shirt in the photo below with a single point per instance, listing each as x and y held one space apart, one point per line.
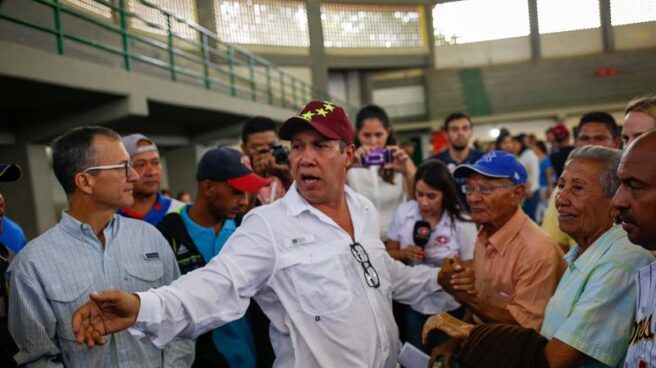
54 274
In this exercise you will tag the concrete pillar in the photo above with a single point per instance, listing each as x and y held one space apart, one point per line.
430 35
536 51
606 26
317 51
181 168
30 200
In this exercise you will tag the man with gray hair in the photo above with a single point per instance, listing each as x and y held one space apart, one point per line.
149 204
91 248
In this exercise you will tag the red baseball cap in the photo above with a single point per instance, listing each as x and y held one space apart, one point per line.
326 118
560 132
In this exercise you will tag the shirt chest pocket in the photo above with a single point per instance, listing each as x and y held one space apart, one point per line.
65 298
321 282
144 275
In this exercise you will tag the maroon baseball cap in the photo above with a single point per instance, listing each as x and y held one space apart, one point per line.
326 118
560 132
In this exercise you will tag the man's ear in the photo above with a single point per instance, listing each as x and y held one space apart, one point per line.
350 154
84 182
205 187
520 192
243 149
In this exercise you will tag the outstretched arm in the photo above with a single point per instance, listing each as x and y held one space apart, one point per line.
105 313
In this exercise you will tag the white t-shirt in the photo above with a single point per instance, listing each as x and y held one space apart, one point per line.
447 239
531 163
386 197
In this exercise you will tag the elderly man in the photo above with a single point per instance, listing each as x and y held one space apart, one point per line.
517 266
313 261
149 204
589 318
639 117
636 200
91 248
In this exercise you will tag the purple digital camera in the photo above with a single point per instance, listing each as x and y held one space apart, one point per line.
378 156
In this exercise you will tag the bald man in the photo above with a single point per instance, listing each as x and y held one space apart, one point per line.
636 202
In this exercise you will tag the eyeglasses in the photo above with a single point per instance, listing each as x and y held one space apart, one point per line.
370 274
483 189
127 166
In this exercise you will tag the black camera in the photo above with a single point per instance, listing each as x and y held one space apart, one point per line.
280 153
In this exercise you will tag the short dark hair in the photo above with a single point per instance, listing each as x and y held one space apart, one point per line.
373 112
256 124
600 117
456 116
73 152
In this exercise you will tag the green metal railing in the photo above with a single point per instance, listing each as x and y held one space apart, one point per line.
203 59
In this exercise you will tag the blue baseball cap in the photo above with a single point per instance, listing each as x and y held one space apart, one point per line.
495 164
229 165
9 172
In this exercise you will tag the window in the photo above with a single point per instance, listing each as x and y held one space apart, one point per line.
181 8
264 22
632 11
362 25
565 15
479 20
92 6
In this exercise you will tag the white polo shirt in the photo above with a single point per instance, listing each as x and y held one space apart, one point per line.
297 264
448 238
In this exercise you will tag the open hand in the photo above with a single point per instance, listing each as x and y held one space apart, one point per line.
105 313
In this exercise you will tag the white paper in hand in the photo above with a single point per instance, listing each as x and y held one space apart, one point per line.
412 357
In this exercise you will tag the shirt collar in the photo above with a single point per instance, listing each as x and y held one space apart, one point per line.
592 255
84 231
500 239
194 228
157 207
296 204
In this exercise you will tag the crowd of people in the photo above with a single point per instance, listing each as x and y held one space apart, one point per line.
331 251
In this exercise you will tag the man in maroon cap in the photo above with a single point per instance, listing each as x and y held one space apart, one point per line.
313 261
561 148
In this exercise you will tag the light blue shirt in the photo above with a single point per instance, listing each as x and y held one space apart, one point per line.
233 340
54 274
593 307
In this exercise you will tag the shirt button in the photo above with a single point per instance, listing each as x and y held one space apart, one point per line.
317 318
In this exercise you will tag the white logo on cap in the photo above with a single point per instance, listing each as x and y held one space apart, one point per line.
516 175
489 156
